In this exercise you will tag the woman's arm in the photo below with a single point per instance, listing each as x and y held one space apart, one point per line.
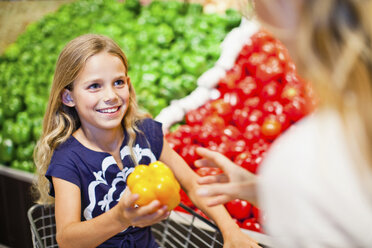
72 232
233 236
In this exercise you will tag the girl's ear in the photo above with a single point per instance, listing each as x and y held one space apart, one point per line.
67 98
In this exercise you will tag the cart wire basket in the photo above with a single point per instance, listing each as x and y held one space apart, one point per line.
180 229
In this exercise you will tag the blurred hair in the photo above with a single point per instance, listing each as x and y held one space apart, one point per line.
334 53
61 121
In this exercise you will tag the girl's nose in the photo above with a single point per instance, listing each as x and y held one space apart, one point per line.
110 95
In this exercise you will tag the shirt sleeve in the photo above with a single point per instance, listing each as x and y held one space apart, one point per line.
64 168
154 134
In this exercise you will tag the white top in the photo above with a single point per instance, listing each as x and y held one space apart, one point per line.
309 189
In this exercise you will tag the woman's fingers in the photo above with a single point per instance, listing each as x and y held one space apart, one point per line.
213 159
220 178
204 163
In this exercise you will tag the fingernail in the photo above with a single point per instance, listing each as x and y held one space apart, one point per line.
202 192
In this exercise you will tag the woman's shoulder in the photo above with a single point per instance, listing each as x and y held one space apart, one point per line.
306 138
309 174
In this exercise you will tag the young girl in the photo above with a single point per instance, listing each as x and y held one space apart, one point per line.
93 136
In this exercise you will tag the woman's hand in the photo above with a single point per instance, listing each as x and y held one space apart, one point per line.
142 216
234 183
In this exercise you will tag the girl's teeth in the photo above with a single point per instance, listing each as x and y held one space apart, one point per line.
108 110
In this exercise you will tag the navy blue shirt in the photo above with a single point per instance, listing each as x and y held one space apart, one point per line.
101 181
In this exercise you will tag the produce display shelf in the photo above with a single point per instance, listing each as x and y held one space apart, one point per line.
17 174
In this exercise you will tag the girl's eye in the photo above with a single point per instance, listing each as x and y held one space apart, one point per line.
94 86
119 82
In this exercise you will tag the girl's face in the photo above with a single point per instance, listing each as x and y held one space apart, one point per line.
100 93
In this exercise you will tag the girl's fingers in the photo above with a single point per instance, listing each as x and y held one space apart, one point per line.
149 209
151 218
129 199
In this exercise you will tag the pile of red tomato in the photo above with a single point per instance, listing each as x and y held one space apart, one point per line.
260 97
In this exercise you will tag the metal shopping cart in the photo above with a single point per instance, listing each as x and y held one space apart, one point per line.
180 229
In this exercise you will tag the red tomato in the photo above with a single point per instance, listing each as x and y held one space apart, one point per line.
272 107
256 213
269 47
291 78
270 91
188 153
222 108
282 53
237 147
251 224
254 61
209 134
271 128
240 118
239 209
174 142
283 120
295 109
260 37
246 50
230 80
248 87
289 93
259 147
183 130
256 116
214 120
196 116
184 134
225 148
269 70
244 159
252 133
232 98
252 102
232 133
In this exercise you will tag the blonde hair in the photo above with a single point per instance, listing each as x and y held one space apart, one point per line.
61 121
333 51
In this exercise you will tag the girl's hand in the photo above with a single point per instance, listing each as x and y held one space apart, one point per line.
142 216
234 183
